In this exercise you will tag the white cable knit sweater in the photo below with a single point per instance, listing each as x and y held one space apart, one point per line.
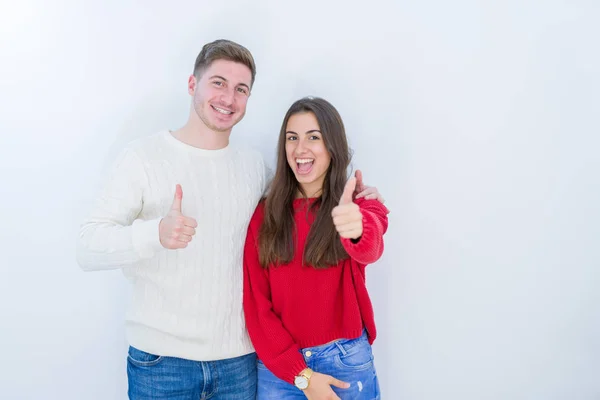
186 303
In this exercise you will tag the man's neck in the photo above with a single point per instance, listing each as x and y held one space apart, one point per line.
202 137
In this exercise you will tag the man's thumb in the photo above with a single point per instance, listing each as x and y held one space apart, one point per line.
177 200
348 191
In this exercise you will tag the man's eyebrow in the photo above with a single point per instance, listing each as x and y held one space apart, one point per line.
223 79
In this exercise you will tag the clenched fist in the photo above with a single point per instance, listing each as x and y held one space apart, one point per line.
176 230
347 217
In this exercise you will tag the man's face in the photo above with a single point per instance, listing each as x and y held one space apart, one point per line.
221 93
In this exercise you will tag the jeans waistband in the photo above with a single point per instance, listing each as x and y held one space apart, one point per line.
335 347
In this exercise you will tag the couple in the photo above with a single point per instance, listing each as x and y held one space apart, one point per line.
231 267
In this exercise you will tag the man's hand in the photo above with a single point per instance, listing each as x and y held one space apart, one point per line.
368 192
176 230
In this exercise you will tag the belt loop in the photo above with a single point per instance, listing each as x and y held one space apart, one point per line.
340 347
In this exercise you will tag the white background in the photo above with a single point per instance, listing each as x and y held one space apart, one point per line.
477 120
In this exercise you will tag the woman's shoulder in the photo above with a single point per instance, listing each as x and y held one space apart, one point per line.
258 216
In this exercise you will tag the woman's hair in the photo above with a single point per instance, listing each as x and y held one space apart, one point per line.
276 238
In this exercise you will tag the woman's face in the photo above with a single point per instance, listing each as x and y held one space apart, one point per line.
306 153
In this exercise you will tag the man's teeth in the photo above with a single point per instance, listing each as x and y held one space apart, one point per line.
304 160
222 111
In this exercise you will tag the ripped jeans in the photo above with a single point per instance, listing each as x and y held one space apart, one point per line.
347 360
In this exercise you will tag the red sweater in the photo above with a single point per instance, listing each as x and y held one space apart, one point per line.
291 307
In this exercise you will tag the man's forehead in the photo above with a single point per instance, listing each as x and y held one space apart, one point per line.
229 70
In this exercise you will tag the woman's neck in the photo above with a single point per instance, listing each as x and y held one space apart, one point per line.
312 189
309 193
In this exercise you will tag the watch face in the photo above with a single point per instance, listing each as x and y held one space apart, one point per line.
301 382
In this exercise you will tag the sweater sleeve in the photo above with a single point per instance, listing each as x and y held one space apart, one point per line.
369 247
274 345
111 236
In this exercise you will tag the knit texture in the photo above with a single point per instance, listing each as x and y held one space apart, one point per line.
185 303
294 306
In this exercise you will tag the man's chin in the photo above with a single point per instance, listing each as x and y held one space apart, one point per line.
217 125
221 126
222 129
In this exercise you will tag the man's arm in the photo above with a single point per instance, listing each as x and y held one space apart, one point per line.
112 236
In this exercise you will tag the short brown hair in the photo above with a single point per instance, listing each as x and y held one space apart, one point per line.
223 49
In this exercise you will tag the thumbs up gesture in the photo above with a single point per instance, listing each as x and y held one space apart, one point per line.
176 230
347 217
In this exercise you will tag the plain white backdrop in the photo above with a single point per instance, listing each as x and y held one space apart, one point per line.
478 122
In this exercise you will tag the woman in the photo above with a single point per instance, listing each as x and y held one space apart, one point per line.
307 309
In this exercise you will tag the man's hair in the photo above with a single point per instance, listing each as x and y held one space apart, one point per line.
223 49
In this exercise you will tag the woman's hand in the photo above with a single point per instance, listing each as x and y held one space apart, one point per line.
347 217
319 387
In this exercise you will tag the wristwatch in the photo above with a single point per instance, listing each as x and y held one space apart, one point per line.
302 380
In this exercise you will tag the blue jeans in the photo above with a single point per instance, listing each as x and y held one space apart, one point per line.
347 360
156 377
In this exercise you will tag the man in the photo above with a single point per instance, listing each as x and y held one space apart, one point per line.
183 253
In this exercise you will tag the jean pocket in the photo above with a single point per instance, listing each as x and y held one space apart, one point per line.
357 357
141 358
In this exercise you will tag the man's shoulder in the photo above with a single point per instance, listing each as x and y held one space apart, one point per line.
248 153
146 149
250 158
145 143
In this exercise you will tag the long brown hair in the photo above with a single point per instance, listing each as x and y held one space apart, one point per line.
323 247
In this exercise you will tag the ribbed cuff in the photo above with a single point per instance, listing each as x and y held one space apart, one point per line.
294 368
368 248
